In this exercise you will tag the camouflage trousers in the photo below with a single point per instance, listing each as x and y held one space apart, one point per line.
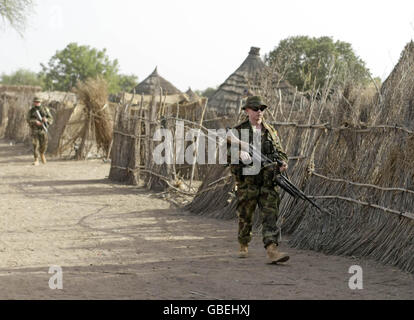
39 141
253 191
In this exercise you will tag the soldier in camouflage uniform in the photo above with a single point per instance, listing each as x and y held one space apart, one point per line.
38 133
259 189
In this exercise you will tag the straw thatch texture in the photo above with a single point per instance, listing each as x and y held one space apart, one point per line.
133 144
93 94
250 78
123 156
214 198
227 99
378 157
354 153
11 96
17 108
193 97
155 84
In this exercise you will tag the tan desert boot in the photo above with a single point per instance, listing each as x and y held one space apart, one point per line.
42 156
275 255
243 251
36 162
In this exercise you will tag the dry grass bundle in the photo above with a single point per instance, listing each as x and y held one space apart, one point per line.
93 94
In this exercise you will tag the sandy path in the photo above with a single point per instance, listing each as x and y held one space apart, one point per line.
120 242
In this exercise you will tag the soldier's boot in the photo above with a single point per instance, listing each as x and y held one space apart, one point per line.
36 162
243 251
42 156
274 255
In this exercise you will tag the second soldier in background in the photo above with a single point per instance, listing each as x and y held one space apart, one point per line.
39 118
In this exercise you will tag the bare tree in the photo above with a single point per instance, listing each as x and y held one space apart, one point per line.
15 13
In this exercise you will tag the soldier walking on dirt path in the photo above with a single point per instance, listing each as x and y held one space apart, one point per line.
259 189
38 118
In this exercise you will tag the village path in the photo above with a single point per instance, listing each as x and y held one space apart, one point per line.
122 242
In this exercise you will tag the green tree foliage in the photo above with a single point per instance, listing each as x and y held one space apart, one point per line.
208 93
78 63
309 63
127 82
15 13
22 77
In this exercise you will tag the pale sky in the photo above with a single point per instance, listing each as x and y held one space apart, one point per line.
198 44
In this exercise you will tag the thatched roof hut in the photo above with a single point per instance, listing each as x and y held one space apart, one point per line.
253 76
227 97
192 95
155 84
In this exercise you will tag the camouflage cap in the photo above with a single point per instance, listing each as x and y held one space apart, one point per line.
37 99
254 101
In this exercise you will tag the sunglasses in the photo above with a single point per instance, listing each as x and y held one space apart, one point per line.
255 109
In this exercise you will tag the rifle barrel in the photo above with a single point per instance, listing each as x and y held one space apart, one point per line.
283 181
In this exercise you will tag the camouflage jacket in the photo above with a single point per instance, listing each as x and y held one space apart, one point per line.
267 133
31 117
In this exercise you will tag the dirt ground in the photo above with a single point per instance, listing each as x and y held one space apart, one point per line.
122 242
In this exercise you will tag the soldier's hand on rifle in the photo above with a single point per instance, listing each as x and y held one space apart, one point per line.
245 157
44 119
284 167
38 123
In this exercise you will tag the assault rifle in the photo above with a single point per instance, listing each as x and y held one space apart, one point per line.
44 124
280 178
283 181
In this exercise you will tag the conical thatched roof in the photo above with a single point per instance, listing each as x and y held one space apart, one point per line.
192 95
154 83
226 99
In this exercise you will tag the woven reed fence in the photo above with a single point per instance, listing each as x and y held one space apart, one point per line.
136 121
14 102
353 152
16 128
